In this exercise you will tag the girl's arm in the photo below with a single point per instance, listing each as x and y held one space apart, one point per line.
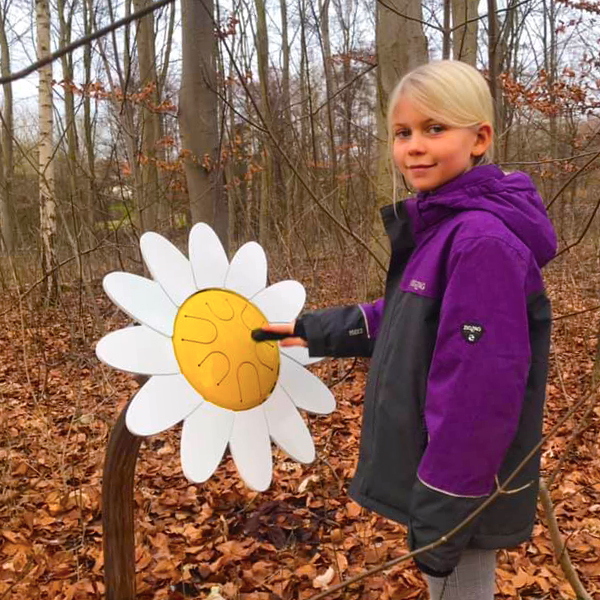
339 331
344 330
475 392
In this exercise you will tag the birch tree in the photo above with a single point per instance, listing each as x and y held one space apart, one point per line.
46 160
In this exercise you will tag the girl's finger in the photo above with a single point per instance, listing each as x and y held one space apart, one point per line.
279 327
294 341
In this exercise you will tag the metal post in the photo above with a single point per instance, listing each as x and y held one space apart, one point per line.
117 511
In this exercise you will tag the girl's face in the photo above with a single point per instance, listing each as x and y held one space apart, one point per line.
429 153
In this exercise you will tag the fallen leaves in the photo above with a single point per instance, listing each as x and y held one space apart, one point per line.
57 406
322 581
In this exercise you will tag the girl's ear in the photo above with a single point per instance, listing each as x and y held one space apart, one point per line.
483 139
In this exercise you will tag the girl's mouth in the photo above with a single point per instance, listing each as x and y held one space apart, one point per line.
420 168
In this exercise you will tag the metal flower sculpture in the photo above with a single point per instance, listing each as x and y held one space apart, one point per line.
194 341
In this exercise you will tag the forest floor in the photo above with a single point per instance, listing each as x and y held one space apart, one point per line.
57 405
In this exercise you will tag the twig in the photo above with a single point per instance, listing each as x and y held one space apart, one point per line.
442 29
22 576
568 182
544 161
574 314
48 273
560 549
501 489
341 89
585 230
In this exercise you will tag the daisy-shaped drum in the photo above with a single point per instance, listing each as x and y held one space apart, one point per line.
193 339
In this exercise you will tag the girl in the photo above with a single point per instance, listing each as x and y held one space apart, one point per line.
460 341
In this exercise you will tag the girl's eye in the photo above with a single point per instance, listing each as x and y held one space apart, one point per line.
402 133
436 128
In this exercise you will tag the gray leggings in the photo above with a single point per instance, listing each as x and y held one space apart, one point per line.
473 578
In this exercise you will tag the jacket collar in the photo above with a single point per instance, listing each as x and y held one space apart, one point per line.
473 176
429 208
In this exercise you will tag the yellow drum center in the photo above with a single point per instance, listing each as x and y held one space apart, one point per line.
216 353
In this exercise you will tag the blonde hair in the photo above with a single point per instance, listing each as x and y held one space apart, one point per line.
449 90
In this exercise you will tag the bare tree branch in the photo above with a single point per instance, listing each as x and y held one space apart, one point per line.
544 161
344 87
398 13
585 230
83 41
452 29
574 176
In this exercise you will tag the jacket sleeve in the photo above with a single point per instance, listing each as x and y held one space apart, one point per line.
343 331
475 390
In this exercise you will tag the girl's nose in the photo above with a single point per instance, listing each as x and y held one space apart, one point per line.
416 145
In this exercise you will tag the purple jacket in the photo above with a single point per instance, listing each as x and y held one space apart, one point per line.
460 343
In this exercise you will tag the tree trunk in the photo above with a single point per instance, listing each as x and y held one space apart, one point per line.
464 35
330 92
401 46
262 56
447 32
91 195
493 65
287 120
46 162
72 153
550 61
198 116
7 167
149 202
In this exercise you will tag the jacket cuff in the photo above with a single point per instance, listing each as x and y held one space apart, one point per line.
338 331
429 571
309 326
299 329
433 514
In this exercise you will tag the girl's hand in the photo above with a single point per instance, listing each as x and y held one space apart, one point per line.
286 328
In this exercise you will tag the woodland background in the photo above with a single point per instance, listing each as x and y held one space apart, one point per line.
263 118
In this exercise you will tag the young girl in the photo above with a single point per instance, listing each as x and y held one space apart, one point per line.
459 343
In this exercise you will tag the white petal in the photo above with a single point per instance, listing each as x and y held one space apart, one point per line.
161 403
138 349
287 428
300 355
281 302
203 440
168 266
207 257
251 448
305 390
142 299
247 274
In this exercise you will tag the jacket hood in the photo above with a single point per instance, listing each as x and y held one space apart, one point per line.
512 198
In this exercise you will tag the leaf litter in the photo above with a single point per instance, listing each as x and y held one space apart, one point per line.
219 539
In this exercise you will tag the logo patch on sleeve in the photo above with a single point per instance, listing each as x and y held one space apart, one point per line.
472 332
